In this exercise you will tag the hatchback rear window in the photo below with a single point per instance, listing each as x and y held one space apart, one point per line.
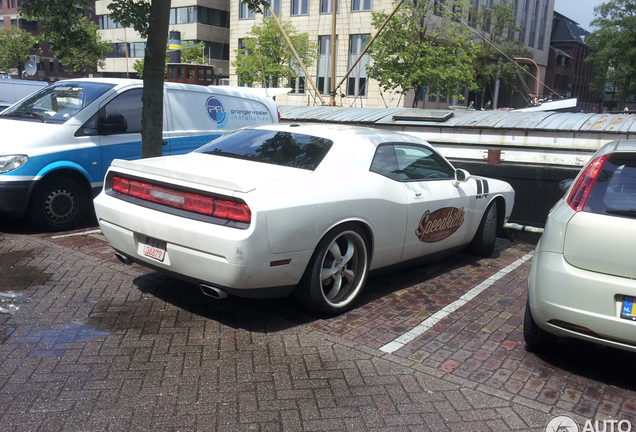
273 147
614 192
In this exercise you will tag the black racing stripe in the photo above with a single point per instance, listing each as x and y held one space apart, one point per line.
485 186
478 186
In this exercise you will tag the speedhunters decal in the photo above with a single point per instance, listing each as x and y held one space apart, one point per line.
216 111
251 116
440 224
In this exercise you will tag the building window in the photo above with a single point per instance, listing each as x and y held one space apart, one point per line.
432 95
276 6
106 22
542 30
534 22
561 81
361 5
438 7
324 64
300 7
297 84
325 6
357 80
472 18
524 21
51 66
245 12
511 30
60 67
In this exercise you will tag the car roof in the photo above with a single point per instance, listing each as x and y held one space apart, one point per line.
344 133
621 146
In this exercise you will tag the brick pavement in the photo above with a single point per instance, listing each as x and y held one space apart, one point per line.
99 346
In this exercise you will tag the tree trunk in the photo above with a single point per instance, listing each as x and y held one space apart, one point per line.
416 96
625 91
154 72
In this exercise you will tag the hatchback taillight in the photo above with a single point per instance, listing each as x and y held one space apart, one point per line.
581 190
187 201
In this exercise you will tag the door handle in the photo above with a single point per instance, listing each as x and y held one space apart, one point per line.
164 142
418 195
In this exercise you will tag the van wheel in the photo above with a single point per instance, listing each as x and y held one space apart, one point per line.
58 204
483 244
336 272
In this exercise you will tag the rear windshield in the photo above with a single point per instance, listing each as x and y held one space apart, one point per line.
272 147
614 192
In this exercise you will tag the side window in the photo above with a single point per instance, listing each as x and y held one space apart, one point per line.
420 163
384 162
122 114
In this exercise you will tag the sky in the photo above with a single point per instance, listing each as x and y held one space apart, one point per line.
581 11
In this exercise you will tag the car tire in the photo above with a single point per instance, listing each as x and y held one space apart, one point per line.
483 244
336 272
58 204
536 338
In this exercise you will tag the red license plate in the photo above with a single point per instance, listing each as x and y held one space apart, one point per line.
155 249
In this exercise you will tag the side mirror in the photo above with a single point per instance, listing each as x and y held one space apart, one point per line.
461 176
564 185
114 124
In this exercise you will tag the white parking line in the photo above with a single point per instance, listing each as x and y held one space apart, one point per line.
429 322
78 234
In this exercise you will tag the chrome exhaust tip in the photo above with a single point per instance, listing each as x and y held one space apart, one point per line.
123 258
213 292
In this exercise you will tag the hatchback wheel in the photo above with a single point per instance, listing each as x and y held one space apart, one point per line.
536 338
337 271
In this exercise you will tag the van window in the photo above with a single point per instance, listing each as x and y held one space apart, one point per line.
128 106
57 103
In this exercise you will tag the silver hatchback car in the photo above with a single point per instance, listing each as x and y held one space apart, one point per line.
582 280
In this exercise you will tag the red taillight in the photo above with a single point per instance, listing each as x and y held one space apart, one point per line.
278 115
583 186
187 201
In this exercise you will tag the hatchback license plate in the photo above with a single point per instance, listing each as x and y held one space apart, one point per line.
628 311
155 249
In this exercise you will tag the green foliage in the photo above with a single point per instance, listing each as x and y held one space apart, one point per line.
268 59
131 13
420 49
15 47
73 38
613 47
191 53
493 24
138 66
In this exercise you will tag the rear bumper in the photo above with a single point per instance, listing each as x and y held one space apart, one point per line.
14 196
559 291
238 261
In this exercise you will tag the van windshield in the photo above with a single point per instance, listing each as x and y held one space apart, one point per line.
57 103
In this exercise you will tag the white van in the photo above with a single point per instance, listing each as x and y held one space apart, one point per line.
58 143
12 90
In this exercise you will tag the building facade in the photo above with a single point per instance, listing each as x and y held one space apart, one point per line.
48 67
354 26
206 21
569 75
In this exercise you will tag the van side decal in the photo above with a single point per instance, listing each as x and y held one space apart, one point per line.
216 111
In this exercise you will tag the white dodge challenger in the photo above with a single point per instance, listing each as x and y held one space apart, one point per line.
306 210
